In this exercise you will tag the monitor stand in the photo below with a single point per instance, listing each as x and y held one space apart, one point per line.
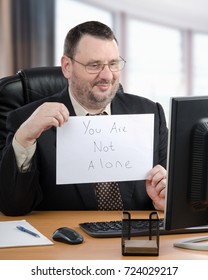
193 244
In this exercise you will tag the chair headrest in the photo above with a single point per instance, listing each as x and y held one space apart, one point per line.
41 82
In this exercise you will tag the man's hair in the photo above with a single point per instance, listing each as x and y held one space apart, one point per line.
93 28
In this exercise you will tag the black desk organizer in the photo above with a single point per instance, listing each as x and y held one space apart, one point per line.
137 245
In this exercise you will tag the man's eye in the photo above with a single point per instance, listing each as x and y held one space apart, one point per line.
94 66
113 63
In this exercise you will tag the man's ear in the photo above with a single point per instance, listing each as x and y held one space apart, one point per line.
66 66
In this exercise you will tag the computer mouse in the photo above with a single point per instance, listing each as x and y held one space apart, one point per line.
67 235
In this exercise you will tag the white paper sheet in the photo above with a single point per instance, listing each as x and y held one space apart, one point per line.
10 236
105 148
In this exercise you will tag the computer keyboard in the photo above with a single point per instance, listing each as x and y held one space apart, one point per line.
138 228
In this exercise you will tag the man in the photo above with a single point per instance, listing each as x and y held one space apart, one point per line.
92 65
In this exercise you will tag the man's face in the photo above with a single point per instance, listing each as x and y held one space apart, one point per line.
94 91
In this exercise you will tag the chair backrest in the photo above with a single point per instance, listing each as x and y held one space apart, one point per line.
27 86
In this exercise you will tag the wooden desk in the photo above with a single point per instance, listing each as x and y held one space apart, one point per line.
92 248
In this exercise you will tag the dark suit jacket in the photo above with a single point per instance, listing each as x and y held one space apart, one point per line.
36 189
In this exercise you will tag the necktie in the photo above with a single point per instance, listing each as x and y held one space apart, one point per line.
108 196
108 193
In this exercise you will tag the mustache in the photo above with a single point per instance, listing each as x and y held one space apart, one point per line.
102 82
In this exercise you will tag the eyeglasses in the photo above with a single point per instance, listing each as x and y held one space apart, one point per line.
95 68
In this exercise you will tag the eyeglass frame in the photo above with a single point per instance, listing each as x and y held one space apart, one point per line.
100 64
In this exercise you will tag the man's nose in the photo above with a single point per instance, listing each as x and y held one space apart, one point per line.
105 73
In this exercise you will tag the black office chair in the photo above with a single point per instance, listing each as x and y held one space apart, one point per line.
26 86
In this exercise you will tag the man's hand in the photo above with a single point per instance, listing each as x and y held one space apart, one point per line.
155 186
44 117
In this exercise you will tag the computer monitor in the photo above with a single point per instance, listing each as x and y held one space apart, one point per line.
187 165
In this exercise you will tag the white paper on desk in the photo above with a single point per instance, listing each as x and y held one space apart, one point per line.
105 148
10 236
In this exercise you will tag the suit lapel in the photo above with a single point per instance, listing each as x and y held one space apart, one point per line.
64 98
87 193
127 190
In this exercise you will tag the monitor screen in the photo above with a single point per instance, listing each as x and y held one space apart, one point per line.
187 165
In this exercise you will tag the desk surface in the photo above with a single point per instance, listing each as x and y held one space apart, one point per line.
91 248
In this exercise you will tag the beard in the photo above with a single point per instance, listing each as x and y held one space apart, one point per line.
90 96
